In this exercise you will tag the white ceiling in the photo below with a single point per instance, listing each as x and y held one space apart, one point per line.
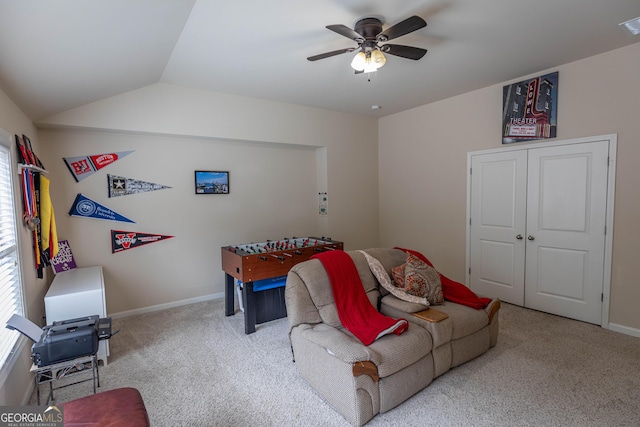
60 54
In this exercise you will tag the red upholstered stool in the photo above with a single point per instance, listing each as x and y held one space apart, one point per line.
122 407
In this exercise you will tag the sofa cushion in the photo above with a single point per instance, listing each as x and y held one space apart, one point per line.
403 305
441 332
462 321
466 320
395 352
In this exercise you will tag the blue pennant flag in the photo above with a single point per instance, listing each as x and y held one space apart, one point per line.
85 207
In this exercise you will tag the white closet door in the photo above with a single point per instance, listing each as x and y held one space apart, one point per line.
498 209
566 214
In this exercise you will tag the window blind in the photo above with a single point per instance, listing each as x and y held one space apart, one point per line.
10 278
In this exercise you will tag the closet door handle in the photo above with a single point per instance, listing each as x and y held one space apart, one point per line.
519 237
531 238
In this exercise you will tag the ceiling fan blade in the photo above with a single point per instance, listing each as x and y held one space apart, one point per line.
343 30
329 54
408 52
407 26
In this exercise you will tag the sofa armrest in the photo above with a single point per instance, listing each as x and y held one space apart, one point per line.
300 307
492 309
337 343
329 360
494 321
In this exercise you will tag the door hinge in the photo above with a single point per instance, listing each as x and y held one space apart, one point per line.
605 230
470 171
601 297
469 221
469 271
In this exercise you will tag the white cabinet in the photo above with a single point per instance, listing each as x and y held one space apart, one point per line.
78 293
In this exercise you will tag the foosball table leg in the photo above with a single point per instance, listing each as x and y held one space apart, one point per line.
248 297
229 290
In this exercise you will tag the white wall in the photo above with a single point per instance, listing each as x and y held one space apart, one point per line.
422 158
273 194
280 156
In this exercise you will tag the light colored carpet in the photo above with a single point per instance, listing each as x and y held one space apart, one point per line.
196 367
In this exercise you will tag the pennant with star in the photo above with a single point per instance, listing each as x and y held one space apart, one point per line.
122 186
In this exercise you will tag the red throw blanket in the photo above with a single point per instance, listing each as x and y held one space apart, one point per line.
354 308
455 291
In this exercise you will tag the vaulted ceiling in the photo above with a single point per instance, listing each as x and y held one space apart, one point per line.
61 54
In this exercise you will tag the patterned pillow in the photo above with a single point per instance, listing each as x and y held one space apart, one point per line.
398 275
420 279
381 274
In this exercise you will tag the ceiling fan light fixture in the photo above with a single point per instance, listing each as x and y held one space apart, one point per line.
368 62
370 67
378 58
359 61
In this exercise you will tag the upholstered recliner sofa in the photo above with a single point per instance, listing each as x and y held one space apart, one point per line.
360 381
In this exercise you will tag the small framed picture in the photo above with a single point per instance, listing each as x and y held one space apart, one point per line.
212 182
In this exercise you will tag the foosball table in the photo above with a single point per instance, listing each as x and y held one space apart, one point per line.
261 270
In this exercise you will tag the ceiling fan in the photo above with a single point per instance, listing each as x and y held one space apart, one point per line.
368 34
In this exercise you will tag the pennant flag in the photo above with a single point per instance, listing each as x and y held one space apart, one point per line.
82 167
83 206
124 240
121 186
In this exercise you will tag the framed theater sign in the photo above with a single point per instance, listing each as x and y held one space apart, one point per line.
529 109
212 182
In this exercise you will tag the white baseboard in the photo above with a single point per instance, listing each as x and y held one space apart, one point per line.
624 329
159 307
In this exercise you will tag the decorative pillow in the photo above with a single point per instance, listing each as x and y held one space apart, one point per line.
381 274
398 275
422 280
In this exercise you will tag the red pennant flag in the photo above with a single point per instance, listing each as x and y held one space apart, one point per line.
83 166
124 240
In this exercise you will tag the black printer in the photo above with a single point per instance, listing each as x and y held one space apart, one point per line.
63 340
66 340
